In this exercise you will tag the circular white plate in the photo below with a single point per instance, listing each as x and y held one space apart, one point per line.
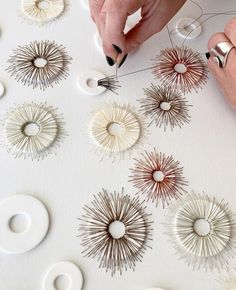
87 77
188 28
2 89
68 269
16 243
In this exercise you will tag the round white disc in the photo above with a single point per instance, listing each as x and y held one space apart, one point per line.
68 269
87 83
188 28
16 243
2 89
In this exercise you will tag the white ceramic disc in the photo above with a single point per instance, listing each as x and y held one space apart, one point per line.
38 222
188 28
2 89
68 269
87 83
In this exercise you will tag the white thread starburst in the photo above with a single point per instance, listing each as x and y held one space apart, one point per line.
132 130
49 126
43 12
211 250
228 281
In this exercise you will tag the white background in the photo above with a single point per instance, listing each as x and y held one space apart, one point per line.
206 148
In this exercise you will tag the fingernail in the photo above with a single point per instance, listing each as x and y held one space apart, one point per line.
123 60
208 55
110 61
117 49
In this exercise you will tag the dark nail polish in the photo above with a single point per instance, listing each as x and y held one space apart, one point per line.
110 61
123 60
117 49
208 55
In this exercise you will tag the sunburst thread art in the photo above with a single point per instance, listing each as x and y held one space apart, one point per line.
115 230
158 177
203 231
117 130
43 11
227 281
32 130
165 107
39 64
181 68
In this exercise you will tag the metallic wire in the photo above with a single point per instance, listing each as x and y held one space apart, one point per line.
185 82
151 106
115 255
163 191
23 68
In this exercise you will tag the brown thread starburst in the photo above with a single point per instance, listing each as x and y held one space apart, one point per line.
181 68
165 107
39 64
158 176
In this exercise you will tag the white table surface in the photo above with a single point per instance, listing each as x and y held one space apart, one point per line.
206 148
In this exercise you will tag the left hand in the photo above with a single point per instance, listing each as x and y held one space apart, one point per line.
110 17
225 77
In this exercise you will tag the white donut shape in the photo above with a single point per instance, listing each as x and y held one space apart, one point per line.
63 268
17 243
194 30
2 89
83 83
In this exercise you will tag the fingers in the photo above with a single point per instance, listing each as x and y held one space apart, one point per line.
217 71
140 33
95 11
225 76
95 8
230 29
155 15
113 37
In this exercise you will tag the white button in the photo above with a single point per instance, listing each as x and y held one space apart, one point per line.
66 269
188 28
2 89
34 211
87 83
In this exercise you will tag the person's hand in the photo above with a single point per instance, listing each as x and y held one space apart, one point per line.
110 17
226 77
